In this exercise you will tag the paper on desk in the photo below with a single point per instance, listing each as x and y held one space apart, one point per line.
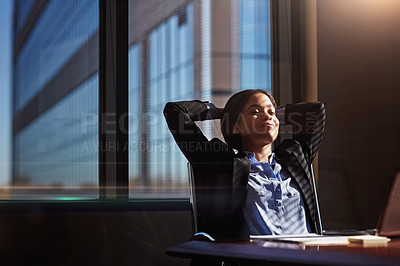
310 239
319 240
314 239
274 237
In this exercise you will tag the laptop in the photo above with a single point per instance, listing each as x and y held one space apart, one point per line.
389 221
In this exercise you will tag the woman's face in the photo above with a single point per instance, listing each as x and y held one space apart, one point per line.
258 123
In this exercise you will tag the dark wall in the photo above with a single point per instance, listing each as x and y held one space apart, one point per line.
92 238
358 66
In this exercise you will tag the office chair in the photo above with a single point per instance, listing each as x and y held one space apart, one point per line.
192 199
193 206
319 220
193 209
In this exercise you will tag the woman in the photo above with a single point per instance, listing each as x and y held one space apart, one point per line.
242 187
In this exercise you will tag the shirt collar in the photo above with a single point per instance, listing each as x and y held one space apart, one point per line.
251 157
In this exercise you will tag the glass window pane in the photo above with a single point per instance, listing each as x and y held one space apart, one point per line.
177 54
55 100
255 46
6 20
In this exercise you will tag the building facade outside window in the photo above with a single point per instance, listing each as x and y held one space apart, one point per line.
203 50
55 100
178 50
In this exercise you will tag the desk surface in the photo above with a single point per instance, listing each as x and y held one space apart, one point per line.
279 252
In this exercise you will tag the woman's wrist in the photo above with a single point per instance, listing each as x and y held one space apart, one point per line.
213 111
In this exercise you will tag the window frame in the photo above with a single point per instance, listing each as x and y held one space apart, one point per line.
113 117
113 100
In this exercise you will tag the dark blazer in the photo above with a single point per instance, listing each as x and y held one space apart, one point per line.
221 172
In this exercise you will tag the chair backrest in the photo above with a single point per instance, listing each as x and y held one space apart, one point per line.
193 205
319 220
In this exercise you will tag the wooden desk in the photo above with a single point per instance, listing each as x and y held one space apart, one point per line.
260 252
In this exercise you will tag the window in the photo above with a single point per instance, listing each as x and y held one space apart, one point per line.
177 51
255 45
156 165
55 100
184 52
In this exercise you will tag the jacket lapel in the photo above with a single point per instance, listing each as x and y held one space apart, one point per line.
292 159
241 170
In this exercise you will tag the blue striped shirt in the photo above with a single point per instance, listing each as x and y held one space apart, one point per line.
273 205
